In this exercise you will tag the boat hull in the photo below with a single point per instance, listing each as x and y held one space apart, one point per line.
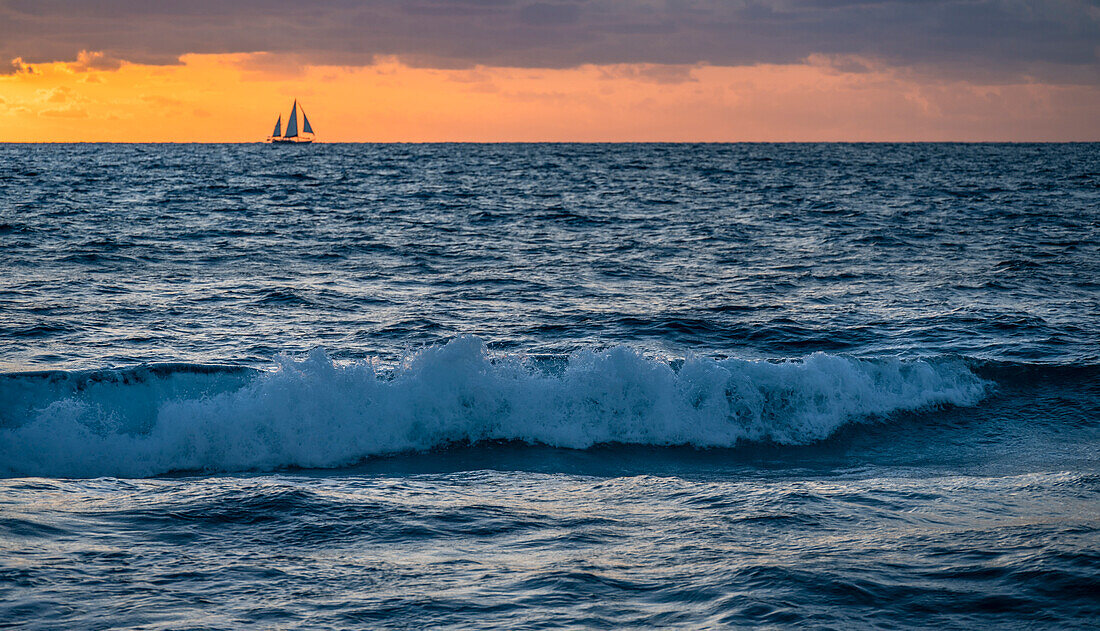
289 141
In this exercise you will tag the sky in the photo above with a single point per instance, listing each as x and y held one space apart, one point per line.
562 70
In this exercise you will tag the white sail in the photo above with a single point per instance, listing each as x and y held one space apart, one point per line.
306 129
292 122
278 126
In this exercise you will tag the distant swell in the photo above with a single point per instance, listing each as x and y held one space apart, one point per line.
316 413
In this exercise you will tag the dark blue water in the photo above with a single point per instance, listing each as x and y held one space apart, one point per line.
550 386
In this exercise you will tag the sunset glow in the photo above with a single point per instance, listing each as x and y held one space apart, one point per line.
236 98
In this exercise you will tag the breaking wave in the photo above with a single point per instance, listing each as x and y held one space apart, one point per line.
314 412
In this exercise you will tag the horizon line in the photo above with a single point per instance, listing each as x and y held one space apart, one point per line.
563 142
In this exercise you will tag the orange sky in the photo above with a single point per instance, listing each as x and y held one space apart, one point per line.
236 98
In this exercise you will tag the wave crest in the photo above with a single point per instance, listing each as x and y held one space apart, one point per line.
316 413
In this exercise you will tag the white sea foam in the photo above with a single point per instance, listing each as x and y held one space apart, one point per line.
316 413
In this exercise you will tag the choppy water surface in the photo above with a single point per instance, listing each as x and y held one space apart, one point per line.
547 386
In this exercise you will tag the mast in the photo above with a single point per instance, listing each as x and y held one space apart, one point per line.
278 127
292 122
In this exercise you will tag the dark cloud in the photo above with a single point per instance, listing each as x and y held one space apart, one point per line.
95 60
16 66
987 38
548 14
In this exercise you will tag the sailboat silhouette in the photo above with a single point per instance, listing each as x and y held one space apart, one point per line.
292 135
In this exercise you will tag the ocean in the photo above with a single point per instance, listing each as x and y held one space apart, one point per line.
550 386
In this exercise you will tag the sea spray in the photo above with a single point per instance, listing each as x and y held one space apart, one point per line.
313 412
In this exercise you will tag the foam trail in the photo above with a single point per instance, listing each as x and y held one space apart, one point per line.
315 413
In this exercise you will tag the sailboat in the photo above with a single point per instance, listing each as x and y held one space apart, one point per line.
292 135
